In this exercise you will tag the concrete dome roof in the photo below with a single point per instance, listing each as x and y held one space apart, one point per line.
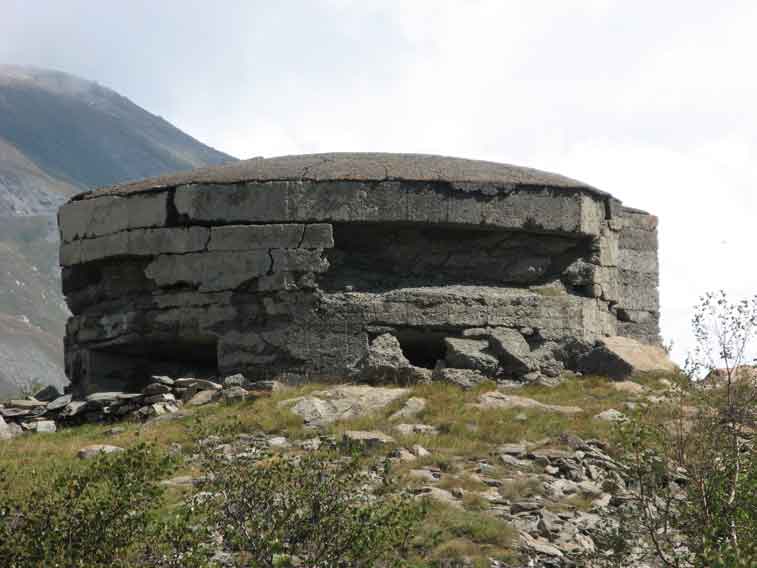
358 167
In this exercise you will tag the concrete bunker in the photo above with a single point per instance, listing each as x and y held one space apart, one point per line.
351 266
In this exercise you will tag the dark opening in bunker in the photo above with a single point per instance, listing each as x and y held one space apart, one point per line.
422 348
128 367
377 257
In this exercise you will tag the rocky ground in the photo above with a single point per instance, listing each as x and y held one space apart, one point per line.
515 476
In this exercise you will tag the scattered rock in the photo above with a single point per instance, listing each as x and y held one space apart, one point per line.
464 378
500 400
403 455
423 474
311 445
412 407
629 387
14 412
517 450
621 357
470 354
168 381
589 488
234 394
420 451
27 404
95 450
156 388
47 394
507 459
160 398
199 384
440 495
203 397
279 442
104 397
151 412
365 439
540 545
266 386
342 402
236 380
74 408
386 363
511 349
40 426
526 505
59 403
611 415
408 429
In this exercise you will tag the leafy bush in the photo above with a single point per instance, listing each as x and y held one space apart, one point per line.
88 515
694 474
307 511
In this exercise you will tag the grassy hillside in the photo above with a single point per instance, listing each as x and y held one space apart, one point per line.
471 492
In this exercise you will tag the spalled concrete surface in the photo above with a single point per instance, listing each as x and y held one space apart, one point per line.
293 267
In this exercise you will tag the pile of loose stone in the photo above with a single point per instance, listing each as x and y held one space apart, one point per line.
557 493
48 409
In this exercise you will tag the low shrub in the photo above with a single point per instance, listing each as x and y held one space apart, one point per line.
310 510
88 515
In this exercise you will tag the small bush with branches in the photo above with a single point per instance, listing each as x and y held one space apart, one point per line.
693 474
312 510
87 515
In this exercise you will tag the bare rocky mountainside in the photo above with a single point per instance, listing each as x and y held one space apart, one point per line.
60 135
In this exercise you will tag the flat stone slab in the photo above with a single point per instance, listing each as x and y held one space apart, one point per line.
89 452
629 387
621 357
412 407
342 403
59 402
27 404
500 400
204 397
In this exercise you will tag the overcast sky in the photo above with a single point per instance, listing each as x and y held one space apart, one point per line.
653 101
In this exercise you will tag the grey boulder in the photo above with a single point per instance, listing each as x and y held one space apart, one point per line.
620 357
89 452
470 354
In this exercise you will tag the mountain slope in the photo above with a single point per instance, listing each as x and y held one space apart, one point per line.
86 135
25 189
59 135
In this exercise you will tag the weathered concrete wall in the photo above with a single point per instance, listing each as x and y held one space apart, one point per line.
638 277
301 276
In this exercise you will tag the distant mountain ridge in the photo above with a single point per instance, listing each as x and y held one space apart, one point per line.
84 135
59 135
